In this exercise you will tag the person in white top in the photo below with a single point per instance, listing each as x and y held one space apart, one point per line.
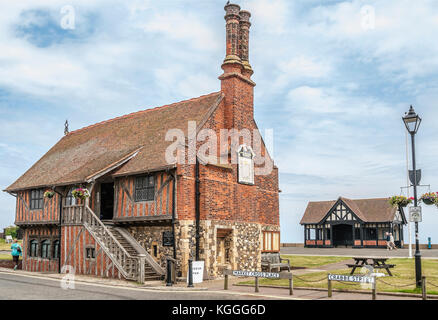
391 241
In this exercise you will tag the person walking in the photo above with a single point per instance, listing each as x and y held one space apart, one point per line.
16 253
391 241
388 241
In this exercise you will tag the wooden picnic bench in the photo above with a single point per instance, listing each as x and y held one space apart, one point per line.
274 261
376 263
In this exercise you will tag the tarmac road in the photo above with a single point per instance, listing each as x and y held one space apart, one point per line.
17 287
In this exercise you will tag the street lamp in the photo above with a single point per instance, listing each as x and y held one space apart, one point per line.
412 122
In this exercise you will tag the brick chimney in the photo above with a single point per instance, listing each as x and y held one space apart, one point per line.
244 42
236 83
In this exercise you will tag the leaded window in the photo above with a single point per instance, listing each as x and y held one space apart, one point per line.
69 199
33 248
55 253
144 188
36 199
45 249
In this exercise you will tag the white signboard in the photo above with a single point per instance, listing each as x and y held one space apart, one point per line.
415 214
197 271
8 239
246 164
242 273
346 278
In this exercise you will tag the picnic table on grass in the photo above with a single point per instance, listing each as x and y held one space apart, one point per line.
375 262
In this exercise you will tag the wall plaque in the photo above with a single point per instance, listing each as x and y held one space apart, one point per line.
246 164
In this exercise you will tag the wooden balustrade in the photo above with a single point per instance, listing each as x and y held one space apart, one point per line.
83 215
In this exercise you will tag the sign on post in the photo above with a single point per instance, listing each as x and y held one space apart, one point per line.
346 278
239 273
197 272
415 214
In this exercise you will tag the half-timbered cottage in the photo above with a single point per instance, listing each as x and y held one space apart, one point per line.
355 223
143 208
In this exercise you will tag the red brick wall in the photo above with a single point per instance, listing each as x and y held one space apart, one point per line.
37 263
222 197
77 239
49 213
126 207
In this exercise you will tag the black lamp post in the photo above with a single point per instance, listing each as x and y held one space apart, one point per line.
412 122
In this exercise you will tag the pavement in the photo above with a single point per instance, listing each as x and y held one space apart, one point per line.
352 252
16 285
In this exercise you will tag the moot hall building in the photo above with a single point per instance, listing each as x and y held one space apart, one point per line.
141 209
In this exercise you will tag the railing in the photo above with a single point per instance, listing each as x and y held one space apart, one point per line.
72 214
128 265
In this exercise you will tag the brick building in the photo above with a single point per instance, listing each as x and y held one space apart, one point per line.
143 207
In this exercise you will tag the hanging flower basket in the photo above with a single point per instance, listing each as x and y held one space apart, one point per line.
80 193
430 198
49 194
400 201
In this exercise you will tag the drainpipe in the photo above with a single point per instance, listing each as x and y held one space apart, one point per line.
60 229
173 214
197 206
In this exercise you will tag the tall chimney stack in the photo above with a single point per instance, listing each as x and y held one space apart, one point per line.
236 83
232 62
244 42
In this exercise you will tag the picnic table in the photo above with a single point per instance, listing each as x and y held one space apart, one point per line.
376 263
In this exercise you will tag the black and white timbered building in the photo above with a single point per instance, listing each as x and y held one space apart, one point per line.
352 223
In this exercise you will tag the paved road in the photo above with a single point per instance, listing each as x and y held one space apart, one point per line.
350 252
14 286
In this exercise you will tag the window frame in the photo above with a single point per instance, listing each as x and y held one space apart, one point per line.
90 253
36 196
33 253
69 200
55 249
147 188
45 246
270 235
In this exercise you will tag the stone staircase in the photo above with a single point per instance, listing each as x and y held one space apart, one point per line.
152 270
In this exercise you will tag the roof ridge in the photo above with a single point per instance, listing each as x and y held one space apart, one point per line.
141 111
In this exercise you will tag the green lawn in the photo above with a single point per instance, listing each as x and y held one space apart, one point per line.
7 246
312 261
403 274
5 257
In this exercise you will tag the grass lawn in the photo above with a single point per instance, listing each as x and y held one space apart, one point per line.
5 257
312 261
403 274
7 246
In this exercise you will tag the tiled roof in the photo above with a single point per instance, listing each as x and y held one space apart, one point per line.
90 150
368 210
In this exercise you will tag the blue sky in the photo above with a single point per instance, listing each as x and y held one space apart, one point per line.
333 90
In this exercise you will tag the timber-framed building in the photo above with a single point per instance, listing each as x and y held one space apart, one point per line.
143 209
352 223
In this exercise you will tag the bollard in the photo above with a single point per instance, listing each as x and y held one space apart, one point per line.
256 284
423 288
291 285
190 275
374 289
169 273
226 282
329 288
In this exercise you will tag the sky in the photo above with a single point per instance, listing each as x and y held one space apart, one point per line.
334 79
